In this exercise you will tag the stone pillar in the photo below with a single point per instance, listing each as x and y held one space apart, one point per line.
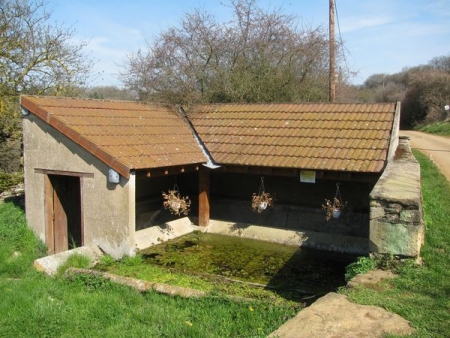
396 224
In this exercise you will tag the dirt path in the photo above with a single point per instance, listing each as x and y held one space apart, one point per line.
437 148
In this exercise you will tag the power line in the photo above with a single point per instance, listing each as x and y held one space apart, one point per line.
340 37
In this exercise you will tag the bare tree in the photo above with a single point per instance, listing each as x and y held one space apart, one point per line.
35 58
107 93
257 56
441 62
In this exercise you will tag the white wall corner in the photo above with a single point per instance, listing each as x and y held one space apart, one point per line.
132 211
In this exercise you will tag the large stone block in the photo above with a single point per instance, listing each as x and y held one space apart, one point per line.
398 239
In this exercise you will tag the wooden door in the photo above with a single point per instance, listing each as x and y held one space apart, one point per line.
64 229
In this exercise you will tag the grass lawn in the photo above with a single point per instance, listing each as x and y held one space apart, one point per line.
438 128
34 305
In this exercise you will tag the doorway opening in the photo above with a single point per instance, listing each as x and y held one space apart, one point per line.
64 229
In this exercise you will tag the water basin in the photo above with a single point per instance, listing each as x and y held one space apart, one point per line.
279 267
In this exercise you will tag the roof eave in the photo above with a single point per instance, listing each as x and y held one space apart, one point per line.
35 109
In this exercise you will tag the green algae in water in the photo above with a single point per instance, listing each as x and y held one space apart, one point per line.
276 265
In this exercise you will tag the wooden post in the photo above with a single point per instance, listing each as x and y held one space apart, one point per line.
203 198
332 76
48 198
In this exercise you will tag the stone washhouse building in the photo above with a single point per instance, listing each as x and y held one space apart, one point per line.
95 171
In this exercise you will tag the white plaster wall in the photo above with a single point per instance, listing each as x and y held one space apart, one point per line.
108 209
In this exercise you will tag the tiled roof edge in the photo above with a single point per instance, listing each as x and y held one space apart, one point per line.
85 143
395 131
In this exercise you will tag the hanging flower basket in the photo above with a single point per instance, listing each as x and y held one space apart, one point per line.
337 213
176 204
262 200
335 207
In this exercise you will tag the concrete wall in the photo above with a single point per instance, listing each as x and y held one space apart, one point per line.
396 213
296 215
108 209
289 190
149 201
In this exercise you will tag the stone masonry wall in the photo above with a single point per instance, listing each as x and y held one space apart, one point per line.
396 224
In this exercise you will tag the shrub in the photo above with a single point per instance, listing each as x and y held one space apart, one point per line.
9 180
105 262
132 260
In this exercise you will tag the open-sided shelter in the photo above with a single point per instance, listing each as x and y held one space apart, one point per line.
95 169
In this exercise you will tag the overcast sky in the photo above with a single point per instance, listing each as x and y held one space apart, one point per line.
381 36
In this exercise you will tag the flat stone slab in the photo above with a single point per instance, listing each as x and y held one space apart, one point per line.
141 285
400 181
50 264
370 278
335 316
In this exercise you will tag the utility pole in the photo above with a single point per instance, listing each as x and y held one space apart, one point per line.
332 76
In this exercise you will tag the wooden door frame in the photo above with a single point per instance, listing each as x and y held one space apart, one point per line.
48 204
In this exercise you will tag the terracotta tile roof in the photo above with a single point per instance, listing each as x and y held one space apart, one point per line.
125 135
328 136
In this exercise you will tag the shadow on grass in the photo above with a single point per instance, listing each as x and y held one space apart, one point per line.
16 200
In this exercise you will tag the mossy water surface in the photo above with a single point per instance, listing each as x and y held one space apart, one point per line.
277 266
